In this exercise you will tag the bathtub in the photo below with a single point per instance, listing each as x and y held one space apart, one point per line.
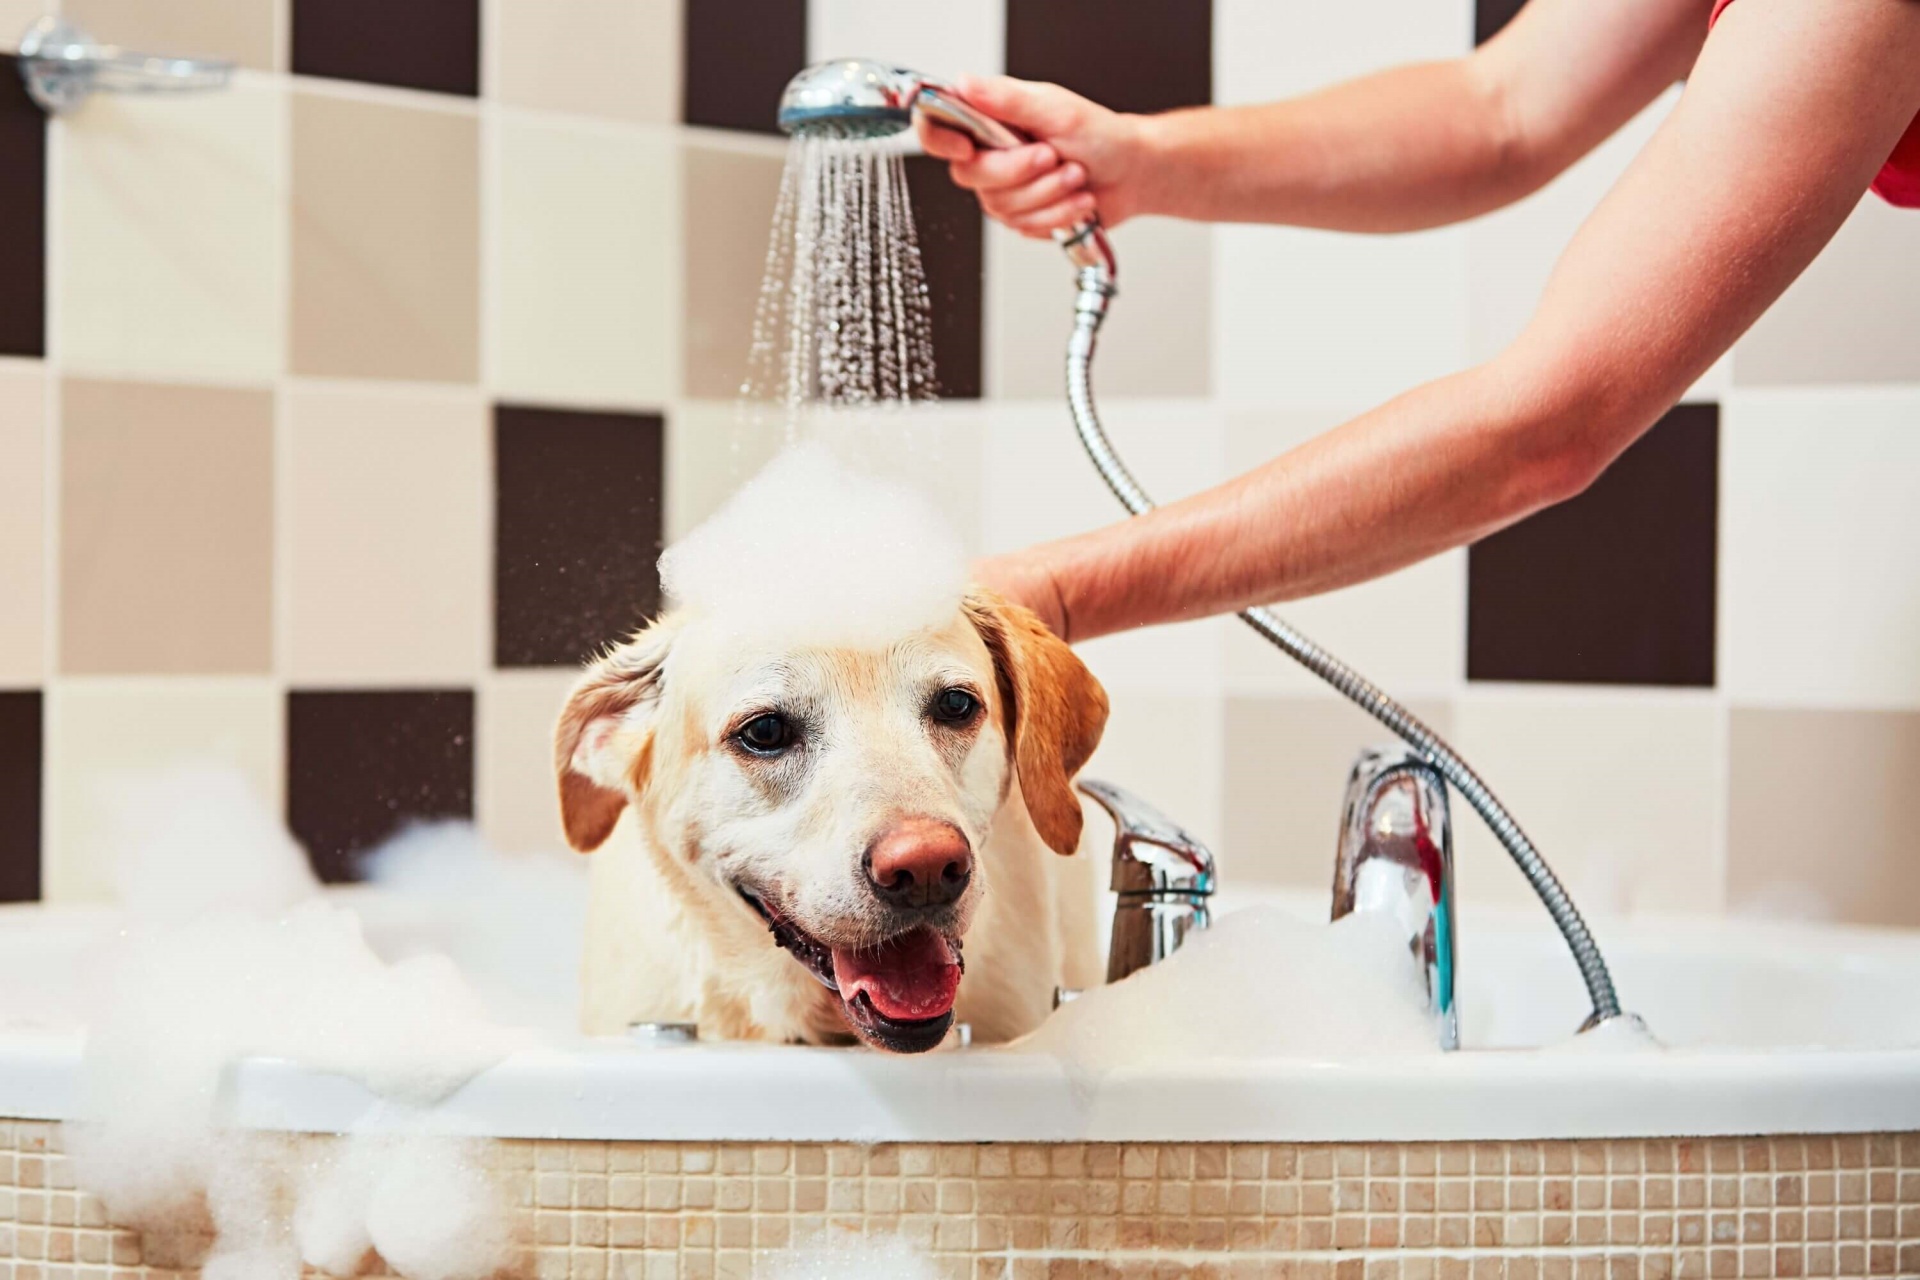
1779 1132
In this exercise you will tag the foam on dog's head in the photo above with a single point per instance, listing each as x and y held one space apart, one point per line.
815 551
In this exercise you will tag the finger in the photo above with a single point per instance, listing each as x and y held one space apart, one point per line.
1048 189
1037 107
1070 212
1015 166
942 143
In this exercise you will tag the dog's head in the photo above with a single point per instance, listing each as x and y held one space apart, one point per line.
841 794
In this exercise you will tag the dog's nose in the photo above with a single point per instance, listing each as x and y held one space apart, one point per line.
920 862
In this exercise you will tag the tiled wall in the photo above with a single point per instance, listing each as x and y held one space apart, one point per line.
1657 1209
343 411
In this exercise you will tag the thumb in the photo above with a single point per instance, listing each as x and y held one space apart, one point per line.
1041 109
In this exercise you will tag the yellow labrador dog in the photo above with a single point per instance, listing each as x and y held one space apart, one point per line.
834 841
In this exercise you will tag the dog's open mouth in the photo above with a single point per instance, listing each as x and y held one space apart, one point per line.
898 995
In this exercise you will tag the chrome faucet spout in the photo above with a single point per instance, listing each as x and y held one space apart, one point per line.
1162 881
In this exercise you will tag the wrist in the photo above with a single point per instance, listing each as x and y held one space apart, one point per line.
1154 161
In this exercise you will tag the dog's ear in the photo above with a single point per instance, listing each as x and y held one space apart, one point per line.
1055 711
601 746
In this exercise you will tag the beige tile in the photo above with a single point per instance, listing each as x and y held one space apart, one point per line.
588 56
1286 766
1157 340
1264 51
1821 813
713 447
947 40
172 252
98 730
386 241
585 260
730 194
1816 510
516 804
387 544
15 16
1851 316
1619 792
1406 632
243 30
1167 750
23 546
166 529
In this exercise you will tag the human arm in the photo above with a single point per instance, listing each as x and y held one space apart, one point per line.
1788 114
1414 146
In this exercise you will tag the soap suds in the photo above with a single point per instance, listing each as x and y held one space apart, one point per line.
1260 984
815 551
842 1255
245 961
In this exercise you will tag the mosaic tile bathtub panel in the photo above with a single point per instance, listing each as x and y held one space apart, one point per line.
1636 1210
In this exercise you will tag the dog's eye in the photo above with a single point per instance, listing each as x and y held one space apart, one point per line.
955 706
766 735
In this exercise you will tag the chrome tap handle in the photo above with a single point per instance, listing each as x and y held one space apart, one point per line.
1162 879
62 65
1396 859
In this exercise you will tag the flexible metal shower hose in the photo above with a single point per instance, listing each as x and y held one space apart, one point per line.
1090 311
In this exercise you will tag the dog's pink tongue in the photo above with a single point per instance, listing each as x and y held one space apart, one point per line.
915 976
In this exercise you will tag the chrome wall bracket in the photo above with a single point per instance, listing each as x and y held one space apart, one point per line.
62 66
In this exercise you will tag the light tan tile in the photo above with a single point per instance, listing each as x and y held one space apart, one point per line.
729 195
387 554
386 241
243 30
1167 750
965 37
586 302
166 528
713 447
589 57
23 546
98 730
1851 316
1619 792
516 804
1157 341
172 244
1821 812
15 15
1286 765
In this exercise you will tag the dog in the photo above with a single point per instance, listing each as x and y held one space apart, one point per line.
833 843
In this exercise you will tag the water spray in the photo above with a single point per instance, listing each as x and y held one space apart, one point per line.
858 99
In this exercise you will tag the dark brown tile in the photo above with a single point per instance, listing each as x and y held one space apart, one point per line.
362 764
1145 55
23 217
577 528
414 44
1491 15
1615 586
951 233
20 772
738 56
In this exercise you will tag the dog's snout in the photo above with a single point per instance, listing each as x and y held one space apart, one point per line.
921 862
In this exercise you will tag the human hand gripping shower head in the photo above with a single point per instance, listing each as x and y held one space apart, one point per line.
857 98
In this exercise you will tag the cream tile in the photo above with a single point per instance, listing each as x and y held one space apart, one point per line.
98 729
1406 632
386 240
945 40
1167 750
15 17
585 259
243 30
1851 316
516 804
1618 791
1512 251
1821 814
172 245
387 556
713 447
1157 340
1303 316
166 529
730 194
1820 557
23 546
1286 767
1263 51
589 57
